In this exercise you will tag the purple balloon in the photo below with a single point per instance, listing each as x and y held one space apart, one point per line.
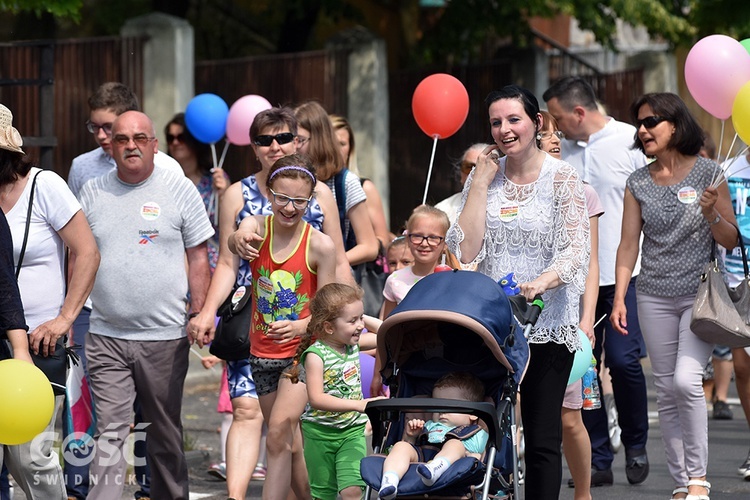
366 369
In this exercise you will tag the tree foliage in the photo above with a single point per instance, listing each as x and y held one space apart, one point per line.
59 8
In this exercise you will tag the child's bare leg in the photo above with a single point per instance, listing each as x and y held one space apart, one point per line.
394 467
351 493
282 410
577 448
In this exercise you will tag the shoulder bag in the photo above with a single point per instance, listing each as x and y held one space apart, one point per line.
232 338
721 315
370 276
55 365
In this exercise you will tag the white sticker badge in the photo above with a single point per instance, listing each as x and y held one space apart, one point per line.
687 195
150 210
508 212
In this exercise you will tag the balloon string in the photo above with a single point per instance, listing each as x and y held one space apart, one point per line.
718 154
223 154
213 153
429 171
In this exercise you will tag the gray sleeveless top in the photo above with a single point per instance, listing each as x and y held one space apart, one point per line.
676 237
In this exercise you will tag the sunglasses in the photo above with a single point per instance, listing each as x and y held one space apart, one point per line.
467 167
171 138
139 140
267 140
650 121
95 127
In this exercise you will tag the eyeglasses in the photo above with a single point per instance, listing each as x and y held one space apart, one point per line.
139 139
171 138
302 139
267 140
650 121
467 167
282 200
95 127
417 239
558 133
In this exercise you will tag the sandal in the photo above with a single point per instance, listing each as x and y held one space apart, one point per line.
702 483
677 491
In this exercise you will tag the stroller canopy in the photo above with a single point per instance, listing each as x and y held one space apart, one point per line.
453 315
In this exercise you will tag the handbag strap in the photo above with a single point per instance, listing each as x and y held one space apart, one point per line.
28 224
745 267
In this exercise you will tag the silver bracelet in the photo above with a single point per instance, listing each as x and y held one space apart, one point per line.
716 220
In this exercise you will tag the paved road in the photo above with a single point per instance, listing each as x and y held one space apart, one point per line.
728 446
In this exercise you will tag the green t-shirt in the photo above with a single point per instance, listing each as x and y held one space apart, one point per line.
342 379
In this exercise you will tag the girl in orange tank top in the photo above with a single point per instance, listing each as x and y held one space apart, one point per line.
290 261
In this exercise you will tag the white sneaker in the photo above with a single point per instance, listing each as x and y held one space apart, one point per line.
615 433
744 469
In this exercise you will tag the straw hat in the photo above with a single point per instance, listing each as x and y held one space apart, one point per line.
10 139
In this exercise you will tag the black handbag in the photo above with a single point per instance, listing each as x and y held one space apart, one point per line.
55 365
232 339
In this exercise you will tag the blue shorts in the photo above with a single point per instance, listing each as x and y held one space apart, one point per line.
240 379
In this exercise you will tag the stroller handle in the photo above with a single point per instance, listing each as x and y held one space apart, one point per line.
379 410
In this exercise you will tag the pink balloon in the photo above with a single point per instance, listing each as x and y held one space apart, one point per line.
715 69
241 116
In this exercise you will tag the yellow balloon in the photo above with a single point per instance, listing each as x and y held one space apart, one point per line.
26 401
741 113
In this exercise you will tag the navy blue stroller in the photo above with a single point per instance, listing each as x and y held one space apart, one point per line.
452 321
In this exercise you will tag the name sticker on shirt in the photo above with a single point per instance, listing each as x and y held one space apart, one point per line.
508 212
687 195
350 373
150 210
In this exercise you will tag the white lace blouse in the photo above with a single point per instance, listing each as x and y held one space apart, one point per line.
534 228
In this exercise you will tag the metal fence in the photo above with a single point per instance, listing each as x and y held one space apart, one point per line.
47 83
281 79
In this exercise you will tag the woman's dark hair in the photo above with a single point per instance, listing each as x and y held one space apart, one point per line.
13 166
529 101
688 134
274 118
201 150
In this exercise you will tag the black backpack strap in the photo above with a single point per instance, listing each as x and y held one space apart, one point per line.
28 224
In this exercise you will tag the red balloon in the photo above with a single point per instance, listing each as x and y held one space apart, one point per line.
440 105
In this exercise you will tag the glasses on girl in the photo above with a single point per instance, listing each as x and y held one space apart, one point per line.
282 200
432 240
267 140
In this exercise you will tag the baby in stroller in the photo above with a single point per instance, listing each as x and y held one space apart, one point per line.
438 442
450 322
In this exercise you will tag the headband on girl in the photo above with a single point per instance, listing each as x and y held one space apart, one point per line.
293 167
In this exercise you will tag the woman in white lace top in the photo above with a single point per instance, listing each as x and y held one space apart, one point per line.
526 213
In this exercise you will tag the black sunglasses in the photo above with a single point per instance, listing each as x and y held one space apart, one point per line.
650 121
267 140
180 138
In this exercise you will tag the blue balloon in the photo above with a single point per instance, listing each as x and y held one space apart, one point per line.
582 359
206 117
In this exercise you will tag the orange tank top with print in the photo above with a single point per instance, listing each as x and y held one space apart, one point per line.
281 290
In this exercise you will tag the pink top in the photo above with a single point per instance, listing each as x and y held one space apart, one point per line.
399 283
593 204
